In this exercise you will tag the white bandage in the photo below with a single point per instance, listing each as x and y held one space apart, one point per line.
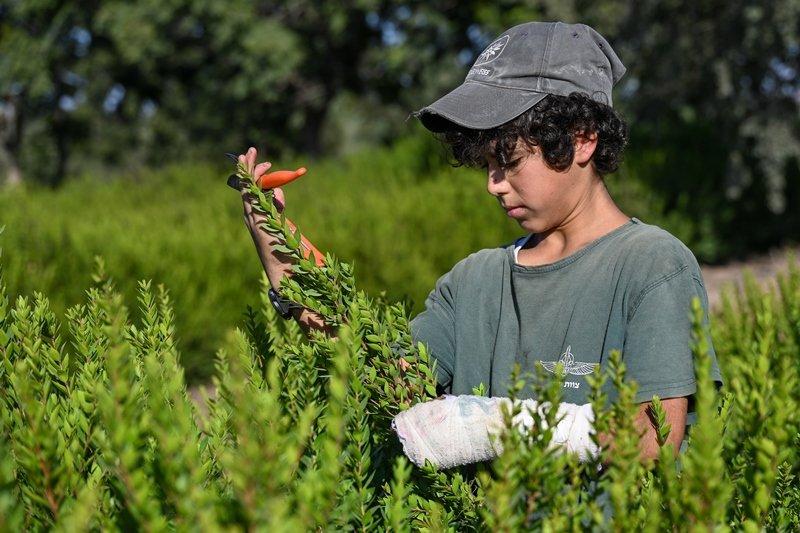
458 430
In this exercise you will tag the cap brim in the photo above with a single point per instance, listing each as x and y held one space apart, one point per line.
477 106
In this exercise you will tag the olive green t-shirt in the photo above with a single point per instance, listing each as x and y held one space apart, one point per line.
630 290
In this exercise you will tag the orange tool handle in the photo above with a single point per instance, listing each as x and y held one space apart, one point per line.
280 178
308 248
277 179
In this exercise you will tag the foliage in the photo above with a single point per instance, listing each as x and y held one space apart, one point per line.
167 80
99 433
183 227
177 225
711 89
400 215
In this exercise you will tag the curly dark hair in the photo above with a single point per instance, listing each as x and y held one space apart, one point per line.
552 125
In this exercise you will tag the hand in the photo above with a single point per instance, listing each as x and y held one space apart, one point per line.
276 264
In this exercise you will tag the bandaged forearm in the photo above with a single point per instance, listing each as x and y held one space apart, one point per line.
458 430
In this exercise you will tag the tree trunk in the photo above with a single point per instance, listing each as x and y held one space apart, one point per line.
312 130
62 151
13 175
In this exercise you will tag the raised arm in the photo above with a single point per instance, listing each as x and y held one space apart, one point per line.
277 265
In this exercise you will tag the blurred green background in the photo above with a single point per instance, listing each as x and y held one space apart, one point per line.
114 117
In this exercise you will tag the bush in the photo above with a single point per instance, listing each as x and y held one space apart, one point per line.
99 433
401 216
383 212
173 225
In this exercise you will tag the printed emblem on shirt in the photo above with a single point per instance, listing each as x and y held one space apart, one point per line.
571 367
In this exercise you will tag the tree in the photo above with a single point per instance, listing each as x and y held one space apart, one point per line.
724 76
711 89
39 84
177 78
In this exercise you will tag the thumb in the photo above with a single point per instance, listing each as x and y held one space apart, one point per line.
278 199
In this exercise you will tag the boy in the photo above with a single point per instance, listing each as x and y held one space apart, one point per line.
535 111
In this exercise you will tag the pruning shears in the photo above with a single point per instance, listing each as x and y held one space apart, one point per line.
278 179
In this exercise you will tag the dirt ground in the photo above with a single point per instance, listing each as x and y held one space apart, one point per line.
764 267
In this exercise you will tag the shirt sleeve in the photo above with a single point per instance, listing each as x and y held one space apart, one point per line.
435 328
657 350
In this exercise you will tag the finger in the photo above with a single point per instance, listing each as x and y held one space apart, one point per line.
251 159
247 159
278 199
261 169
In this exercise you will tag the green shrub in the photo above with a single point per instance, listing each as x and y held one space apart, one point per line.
99 433
172 225
402 216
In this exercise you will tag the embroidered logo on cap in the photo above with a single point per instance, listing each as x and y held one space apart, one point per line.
492 51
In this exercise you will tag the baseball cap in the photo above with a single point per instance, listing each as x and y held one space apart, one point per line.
520 68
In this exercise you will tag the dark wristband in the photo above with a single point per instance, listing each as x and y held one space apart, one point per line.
282 306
